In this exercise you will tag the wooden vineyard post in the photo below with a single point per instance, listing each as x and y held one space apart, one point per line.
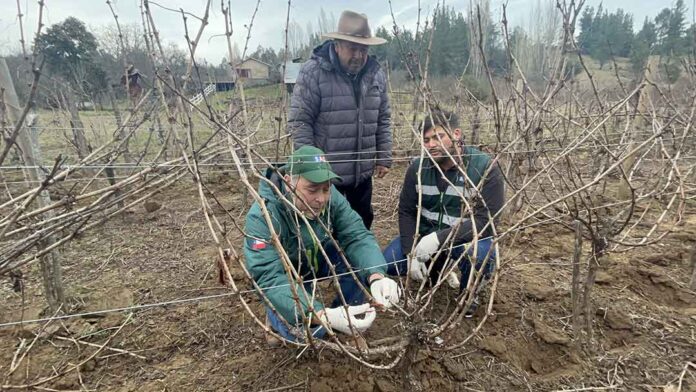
31 154
575 285
692 283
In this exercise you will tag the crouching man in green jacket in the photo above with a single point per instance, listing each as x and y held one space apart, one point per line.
306 183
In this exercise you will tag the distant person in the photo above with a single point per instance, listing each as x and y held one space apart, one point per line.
132 83
306 182
442 209
340 105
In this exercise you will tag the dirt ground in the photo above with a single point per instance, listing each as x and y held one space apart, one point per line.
645 324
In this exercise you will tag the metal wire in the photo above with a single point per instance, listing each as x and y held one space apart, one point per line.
215 296
135 165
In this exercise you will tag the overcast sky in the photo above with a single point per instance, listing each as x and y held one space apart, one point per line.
270 19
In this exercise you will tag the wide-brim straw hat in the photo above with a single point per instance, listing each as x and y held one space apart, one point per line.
353 27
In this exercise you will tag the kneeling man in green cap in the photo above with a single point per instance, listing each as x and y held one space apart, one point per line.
306 183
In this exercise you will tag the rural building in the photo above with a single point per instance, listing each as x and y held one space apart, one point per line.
253 69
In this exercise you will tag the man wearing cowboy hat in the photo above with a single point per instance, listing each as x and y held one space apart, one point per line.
340 105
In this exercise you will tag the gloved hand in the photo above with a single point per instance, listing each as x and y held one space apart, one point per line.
427 246
337 318
385 291
417 269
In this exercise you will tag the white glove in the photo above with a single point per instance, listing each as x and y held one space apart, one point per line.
417 269
337 318
452 280
427 246
385 291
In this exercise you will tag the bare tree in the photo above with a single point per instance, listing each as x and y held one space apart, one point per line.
537 45
478 32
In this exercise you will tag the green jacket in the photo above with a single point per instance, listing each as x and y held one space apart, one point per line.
263 260
441 204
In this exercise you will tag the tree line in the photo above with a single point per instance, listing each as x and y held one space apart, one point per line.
605 34
449 41
91 63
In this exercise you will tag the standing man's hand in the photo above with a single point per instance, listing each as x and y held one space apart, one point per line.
381 171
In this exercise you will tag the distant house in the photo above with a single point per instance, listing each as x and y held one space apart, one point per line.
292 69
253 69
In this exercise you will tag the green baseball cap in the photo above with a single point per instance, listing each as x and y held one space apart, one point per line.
310 163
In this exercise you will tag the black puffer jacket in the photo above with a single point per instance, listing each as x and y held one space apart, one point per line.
351 125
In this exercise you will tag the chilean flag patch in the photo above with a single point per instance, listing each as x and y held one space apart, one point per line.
257 244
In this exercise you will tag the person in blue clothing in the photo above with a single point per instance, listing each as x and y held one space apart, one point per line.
305 183
449 174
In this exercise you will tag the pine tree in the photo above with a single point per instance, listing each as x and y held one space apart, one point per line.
643 45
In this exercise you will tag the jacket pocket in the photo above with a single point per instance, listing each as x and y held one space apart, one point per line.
375 90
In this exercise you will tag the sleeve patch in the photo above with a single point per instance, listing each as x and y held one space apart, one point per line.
255 244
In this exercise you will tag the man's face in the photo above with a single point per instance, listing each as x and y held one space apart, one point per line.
352 56
315 195
437 141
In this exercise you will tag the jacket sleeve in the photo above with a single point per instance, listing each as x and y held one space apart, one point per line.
493 195
384 132
408 209
265 266
304 105
359 244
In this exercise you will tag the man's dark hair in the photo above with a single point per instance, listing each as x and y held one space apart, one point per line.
443 118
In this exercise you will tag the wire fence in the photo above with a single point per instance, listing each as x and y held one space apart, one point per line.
398 157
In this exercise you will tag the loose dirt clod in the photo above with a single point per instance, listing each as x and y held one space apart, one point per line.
494 345
539 292
616 319
548 334
603 277
152 206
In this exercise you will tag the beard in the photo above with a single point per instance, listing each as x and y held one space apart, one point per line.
354 66
439 159
439 155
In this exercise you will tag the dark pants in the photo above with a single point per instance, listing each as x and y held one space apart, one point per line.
360 198
350 289
398 265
